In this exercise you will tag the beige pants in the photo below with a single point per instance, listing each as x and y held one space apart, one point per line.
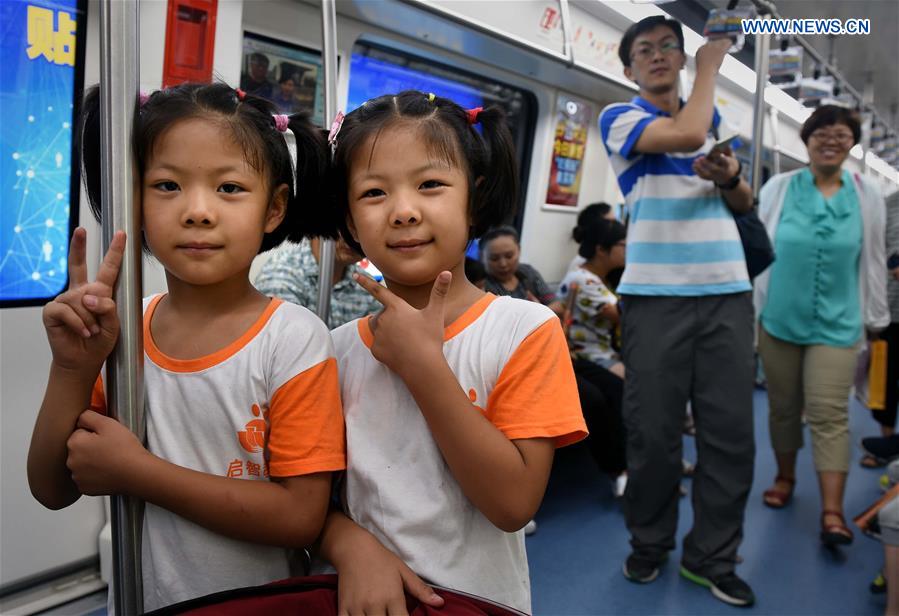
814 378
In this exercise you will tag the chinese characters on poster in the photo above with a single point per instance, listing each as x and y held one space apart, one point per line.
573 117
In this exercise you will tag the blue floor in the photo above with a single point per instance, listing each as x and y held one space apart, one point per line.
581 542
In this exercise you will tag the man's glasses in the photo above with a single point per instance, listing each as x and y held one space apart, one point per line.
647 51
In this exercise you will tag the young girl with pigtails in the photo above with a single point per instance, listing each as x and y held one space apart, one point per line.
244 424
454 399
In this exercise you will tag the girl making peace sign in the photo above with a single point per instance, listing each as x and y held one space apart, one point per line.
244 424
454 399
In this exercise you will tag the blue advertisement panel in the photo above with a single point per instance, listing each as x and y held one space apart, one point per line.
372 77
40 85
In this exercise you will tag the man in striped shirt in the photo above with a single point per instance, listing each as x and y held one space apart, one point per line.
687 311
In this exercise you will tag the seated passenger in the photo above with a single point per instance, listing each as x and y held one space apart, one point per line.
475 272
505 274
595 315
292 274
597 365
594 211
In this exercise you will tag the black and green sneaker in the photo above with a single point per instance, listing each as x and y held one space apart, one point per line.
642 569
727 587
878 585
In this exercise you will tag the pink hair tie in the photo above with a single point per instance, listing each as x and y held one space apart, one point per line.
281 122
473 115
142 98
240 94
335 128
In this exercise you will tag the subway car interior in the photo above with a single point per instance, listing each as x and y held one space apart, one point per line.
554 68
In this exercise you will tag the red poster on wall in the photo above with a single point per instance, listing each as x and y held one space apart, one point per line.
573 117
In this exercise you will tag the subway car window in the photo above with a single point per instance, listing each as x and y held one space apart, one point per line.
42 75
288 75
376 70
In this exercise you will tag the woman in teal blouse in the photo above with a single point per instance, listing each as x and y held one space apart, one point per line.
814 304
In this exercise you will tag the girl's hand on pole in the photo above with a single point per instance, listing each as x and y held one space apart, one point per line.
104 455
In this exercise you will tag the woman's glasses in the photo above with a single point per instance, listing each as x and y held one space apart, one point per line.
841 137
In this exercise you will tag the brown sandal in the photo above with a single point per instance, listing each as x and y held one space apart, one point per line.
835 534
778 499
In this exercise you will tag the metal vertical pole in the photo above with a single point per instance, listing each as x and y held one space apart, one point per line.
119 73
567 45
329 66
867 119
775 151
762 43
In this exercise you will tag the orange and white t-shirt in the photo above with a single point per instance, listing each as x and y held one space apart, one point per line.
277 382
510 356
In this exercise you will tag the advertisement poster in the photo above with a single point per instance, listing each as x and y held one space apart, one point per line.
573 117
39 92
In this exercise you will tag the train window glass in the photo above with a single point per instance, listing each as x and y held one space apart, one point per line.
288 75
41 79
376 70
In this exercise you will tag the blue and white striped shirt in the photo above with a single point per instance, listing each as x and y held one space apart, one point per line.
682 238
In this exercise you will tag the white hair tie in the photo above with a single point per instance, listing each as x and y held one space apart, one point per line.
290 140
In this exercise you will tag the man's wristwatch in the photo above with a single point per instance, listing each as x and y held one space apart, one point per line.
734 181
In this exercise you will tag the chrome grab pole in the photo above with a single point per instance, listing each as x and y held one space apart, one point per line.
775 151
762 43
567 44
119 75
767 6
329 67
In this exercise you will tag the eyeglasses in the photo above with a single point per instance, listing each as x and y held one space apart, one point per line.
842 137
647 51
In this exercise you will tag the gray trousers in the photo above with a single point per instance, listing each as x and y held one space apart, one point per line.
678 349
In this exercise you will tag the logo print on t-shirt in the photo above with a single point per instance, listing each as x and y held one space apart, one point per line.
253 437
473 396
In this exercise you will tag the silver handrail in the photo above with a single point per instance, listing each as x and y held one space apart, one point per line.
119 75
565 14
762 42
329 66
769 7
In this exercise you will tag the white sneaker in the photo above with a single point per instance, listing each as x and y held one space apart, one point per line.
619 485
530 528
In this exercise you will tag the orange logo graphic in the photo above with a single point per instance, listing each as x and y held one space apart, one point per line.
473 396
253 437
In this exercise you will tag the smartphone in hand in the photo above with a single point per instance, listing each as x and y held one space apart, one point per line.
721 146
